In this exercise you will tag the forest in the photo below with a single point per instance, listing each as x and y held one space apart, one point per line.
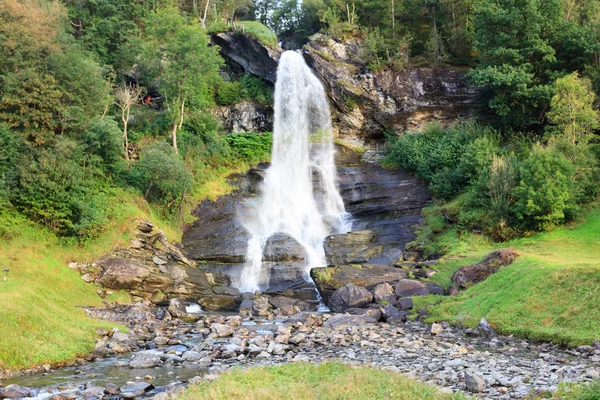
101 97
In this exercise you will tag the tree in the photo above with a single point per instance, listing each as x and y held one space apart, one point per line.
572 111
187 67
127 96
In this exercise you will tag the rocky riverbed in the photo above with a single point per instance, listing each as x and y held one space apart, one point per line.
162 354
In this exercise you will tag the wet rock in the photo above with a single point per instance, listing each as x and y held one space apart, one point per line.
191 356
392 315
474 383
374 313
288 310
136 388
408 287
214 302
283 247
14 392
349 296
93 392
221 330
384 292
144 359
111 389
351 248
234 320
468 276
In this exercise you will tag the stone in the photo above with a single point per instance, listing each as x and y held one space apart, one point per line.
436 329
136 388
404 303
349 296
351 248
120 273
367 312
246 308
191 356
177 308
234 320
219 302
297 339
14 392
261 306
468 276
246 116
221 330
158 261
111 389
384 292
485 328
392 315
93 392
144 359
474 383
409 287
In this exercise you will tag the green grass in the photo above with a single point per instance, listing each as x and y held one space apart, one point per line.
298 381
551 292
42 322
253 29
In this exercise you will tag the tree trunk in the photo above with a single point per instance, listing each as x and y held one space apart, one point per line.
203 19
125 119
174 137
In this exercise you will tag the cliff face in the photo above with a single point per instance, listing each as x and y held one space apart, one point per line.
367 104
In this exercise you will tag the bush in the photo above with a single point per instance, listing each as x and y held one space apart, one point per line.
161 175
255 89
253 147
104 139
543 197
228 93
200 139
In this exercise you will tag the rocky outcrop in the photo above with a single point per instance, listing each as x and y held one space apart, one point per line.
246 53
468 276
367 104
349 296
153 269
246 116
350 248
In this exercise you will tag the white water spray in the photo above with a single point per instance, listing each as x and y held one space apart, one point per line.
299 194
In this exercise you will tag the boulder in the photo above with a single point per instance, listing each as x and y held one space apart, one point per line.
436 329
219 302
384 292
120 273
221 330
351 248
247 116
405 303
177 308
136 388
14 392
349 296
261 306
474 383
468 276
246 308
144 359
409 287
392 315
367 312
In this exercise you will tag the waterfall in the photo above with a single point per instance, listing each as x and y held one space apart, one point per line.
299 195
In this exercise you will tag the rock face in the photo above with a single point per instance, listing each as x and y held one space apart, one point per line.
350 248
249 54
472 274
349 296
246 116
367 104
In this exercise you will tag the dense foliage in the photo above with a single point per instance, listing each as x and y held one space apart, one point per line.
510 185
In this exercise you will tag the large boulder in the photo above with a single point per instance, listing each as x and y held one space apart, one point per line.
342 320
351 248
121 273
468 276
14 392
409 287
145 359
384 292
349 296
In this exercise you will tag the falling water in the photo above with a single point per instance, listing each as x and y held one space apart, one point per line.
299 194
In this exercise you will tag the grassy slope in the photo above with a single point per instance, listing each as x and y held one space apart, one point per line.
307 381
41 321
552 292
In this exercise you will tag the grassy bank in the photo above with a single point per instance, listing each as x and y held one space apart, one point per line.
307 381
551 292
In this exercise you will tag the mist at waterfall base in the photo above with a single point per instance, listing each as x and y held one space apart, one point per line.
299 196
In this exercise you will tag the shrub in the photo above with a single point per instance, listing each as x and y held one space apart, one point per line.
161 175
253 147
255 89
228 93
543 197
